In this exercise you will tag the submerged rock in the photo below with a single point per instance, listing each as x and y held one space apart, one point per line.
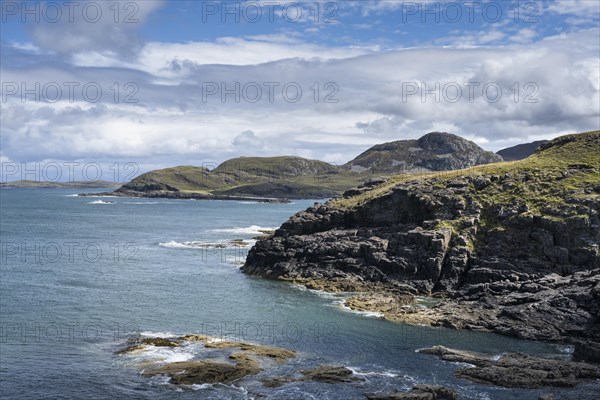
142 343
199 372
329 374
245 362
278 354
323 373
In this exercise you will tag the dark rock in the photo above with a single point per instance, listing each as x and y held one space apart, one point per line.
329 374
481 182
507 260
517 370
199 372
546 397
418 392
587 351
436 151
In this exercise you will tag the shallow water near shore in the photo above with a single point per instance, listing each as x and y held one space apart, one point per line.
79 278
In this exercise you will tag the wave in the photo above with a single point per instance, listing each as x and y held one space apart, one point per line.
162 335
208 245
100 202
248 230
387 373
372 314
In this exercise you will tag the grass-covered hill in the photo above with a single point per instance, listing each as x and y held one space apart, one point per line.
296 177
280 177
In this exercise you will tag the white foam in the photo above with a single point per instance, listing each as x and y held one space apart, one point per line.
357 371
207 245
372 314
327 295
175 245
201 386
566 349
162 335
248 230
159 354
168 355
100 202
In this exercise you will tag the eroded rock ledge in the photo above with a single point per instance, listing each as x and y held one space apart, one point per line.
512 250
516 370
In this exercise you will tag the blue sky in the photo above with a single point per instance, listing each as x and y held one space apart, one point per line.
369 71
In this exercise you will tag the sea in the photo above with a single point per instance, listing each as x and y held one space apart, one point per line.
81 277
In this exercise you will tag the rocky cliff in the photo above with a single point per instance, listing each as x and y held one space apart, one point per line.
510 248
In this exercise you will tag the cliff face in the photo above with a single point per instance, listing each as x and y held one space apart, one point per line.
436 151
515 245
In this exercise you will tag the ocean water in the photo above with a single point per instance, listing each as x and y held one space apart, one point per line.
81 276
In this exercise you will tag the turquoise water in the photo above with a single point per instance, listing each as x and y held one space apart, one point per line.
79 277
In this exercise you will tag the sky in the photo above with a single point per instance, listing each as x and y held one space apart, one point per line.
131 86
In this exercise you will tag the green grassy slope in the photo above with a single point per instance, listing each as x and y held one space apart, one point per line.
566 166
284 176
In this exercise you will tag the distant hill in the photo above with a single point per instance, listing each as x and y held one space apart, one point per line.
54 185
436 151
281 177
297 177
520 151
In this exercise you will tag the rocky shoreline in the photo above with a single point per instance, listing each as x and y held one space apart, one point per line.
508 248
236 361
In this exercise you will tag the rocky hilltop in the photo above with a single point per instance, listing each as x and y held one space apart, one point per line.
520 151
296 177
511 248
436 151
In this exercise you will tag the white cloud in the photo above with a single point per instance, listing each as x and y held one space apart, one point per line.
581 8
172 60
524 35
173 125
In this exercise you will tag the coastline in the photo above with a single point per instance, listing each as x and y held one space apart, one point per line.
508 248
184 196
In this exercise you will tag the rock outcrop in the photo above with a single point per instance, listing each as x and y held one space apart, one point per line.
511 248
418 392
245 360
436 151
516 370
